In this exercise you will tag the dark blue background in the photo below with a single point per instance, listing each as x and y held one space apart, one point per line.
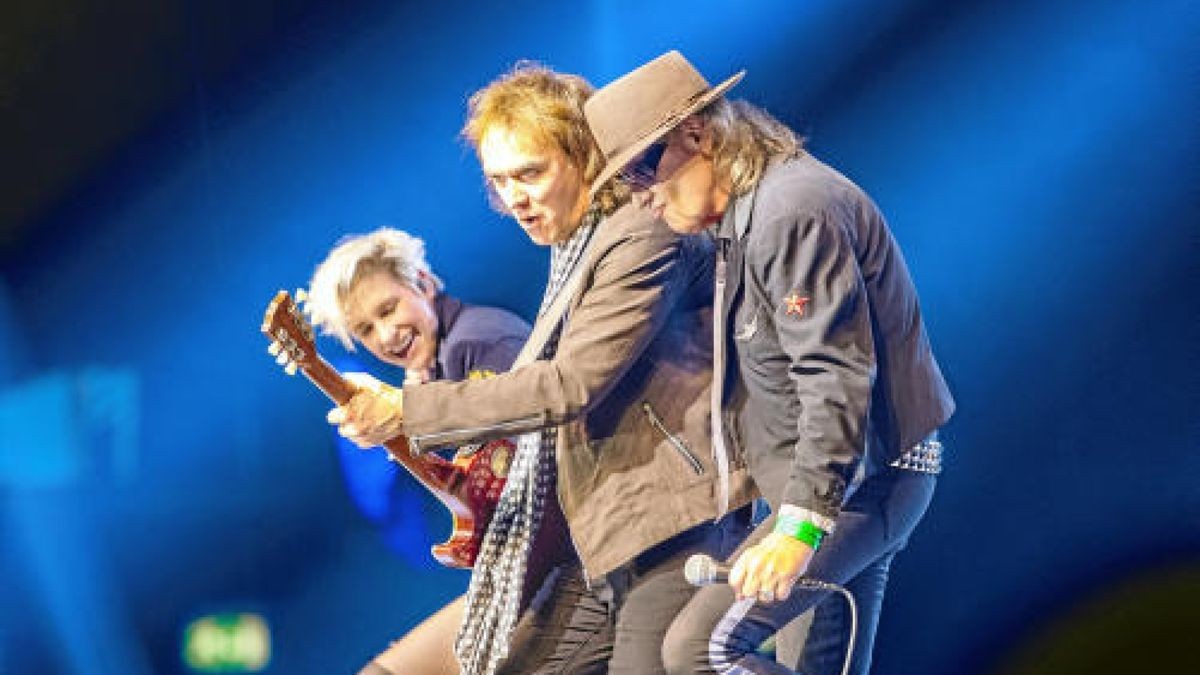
1037 161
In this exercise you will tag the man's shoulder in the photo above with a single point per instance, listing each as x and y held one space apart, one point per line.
481 340
633 231
631 220
803 189
484 322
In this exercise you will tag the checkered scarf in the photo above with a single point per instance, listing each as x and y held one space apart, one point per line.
494 595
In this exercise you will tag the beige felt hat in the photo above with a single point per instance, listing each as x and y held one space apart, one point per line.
637 109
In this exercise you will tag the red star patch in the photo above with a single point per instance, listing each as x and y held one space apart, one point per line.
795 304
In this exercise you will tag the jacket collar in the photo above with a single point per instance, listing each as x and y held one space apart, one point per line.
736 221
447 309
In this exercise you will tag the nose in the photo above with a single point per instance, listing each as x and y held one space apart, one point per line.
385 331
514 196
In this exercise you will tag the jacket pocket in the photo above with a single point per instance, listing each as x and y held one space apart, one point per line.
676 442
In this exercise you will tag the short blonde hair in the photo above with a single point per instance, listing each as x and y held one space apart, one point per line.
354 257
545 109
745 139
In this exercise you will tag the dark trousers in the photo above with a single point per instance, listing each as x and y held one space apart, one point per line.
715 634
619 624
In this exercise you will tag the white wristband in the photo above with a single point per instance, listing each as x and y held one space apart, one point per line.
826 523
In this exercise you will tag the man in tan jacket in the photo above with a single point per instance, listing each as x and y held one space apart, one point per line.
616 402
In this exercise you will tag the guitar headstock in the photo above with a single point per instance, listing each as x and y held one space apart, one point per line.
291 335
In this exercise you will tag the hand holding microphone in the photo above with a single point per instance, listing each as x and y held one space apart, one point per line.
767 571
703 570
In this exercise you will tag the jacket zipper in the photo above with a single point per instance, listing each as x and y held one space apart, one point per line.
674 440
417 441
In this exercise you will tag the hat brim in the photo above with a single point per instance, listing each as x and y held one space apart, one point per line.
618 161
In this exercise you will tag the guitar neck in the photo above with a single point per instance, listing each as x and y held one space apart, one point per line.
436 473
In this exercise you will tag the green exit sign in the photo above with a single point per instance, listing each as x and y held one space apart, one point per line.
227 643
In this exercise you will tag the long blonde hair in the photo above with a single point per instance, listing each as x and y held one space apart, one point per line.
544 108
745 139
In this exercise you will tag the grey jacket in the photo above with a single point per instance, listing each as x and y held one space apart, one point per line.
830 359
628 388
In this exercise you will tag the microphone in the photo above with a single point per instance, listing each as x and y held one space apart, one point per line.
703 570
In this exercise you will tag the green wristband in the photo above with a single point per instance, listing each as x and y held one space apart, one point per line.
811 534
801 530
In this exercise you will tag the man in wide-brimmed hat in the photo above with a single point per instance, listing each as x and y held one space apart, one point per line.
614 400
834 370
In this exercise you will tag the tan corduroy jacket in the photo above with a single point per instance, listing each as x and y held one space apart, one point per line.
628 389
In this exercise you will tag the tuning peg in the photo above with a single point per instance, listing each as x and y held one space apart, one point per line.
301 295
274 349
290 368
282 358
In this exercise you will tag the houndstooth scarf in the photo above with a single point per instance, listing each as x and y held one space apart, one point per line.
494 594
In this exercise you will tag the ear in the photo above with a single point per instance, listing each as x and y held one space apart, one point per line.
426 285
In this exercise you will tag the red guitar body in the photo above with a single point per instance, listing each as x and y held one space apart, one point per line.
471 492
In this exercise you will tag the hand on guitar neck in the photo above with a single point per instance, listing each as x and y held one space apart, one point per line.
374 415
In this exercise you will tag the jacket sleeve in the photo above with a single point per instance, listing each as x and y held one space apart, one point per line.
626 298
808 269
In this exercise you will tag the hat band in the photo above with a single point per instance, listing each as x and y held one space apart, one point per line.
670 120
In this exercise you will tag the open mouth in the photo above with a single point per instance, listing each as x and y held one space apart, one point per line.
403 346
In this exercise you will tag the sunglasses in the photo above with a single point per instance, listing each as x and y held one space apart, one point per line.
642 171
